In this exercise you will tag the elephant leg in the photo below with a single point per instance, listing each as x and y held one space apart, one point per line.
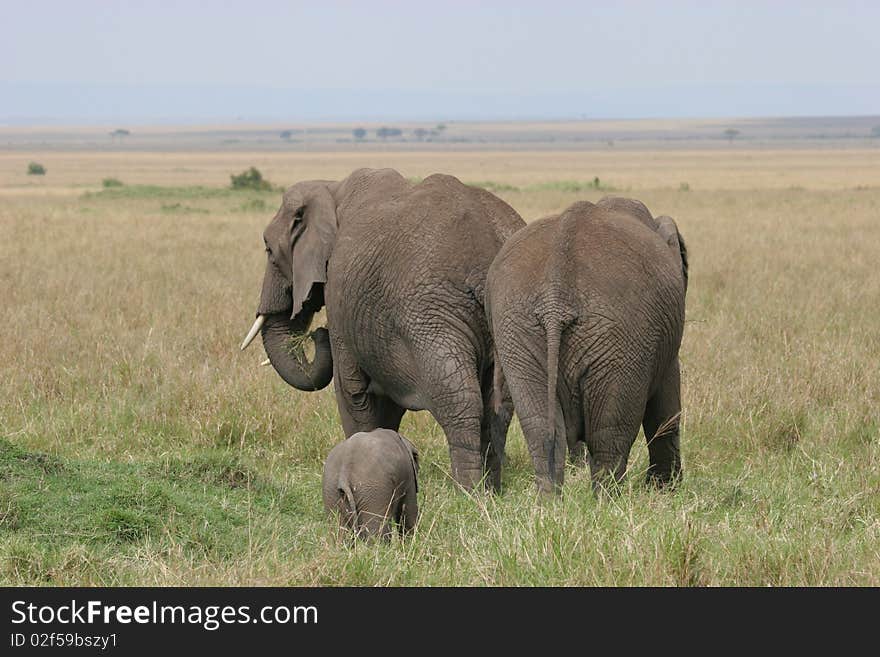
530 399
493 429
611 433
661 425
461 424
525 373
574 429
457 405
360 410
375 523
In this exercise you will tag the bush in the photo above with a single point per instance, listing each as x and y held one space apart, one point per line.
251 179
112 182
36 169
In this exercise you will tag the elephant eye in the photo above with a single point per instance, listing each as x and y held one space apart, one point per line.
300 213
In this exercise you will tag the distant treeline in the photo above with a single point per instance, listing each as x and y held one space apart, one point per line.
383 133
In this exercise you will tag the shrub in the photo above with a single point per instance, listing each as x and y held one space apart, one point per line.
684 187
250 179
112 182
36 169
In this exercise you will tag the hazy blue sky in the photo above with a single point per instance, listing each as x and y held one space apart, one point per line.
260 59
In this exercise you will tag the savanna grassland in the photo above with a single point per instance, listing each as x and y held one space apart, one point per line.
139 446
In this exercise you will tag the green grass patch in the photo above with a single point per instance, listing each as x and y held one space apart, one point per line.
492 186
254 205
202 507
572 186
180 208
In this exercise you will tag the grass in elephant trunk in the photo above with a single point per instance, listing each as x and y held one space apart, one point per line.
138 446
302 344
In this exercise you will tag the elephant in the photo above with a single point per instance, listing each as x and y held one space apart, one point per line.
587 312
401 268
371 480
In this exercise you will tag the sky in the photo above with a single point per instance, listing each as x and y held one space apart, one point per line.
90 60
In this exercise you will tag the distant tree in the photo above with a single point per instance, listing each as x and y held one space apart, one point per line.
120 133
731 134
286 135
440 127
385 132
421 133
359 133
875 131
36 169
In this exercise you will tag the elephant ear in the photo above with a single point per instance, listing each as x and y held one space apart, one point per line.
312 240
667 229
414 458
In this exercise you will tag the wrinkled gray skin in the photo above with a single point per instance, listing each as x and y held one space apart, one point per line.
587 311
402 268
371 482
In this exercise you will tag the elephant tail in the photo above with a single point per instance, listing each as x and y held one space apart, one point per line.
553 328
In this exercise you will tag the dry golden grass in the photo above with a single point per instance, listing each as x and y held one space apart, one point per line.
140 447
632 171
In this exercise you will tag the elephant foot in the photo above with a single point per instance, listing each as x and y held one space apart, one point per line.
663 479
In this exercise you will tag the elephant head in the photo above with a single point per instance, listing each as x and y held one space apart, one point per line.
299 241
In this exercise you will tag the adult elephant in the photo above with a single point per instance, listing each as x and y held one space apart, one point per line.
402 269
587 311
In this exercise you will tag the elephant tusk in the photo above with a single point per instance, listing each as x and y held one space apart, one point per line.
266 362
253 332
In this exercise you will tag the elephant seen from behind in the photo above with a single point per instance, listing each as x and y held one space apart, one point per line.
587 311
370 483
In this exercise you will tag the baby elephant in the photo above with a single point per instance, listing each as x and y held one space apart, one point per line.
370 481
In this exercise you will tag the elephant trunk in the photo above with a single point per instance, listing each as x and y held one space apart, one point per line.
283 340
